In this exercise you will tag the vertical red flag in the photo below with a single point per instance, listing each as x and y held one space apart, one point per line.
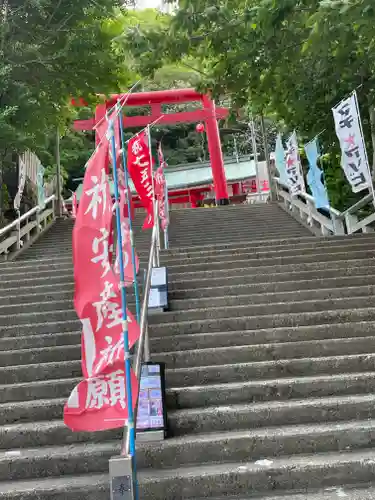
99 401
140 170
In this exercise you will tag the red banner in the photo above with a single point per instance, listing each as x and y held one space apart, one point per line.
140 170
99 401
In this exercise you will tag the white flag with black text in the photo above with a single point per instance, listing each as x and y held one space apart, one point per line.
293 167
354 160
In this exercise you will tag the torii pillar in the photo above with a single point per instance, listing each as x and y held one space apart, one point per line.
208 114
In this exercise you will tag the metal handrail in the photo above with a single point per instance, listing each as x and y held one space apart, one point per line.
143 348
25 216
357 206
310 198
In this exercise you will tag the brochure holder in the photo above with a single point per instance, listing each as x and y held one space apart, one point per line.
152 413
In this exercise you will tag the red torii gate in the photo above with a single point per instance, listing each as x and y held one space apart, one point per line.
208 114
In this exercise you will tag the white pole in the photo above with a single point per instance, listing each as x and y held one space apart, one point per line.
154 202
371 187
58 173
166 210
236 150
255 152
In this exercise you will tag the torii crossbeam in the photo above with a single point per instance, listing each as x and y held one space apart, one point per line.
208 114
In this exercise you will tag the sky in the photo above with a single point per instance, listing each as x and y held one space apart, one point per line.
150 3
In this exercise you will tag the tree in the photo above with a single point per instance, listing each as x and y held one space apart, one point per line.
291 59
51 50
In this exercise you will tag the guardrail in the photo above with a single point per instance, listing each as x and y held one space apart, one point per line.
303 206
334 223
353 217
26 228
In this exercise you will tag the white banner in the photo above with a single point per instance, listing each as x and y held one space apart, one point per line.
293 167
21 183
354 160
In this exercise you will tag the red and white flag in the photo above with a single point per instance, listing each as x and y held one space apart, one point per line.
99 401
140 170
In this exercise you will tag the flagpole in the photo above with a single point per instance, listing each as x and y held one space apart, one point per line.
129 399
58 172
255 152
166 209
154 203
132 241
371 183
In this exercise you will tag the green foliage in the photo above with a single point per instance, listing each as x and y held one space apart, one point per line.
51 50
5 196
290 59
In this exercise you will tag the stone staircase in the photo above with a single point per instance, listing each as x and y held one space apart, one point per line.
270 352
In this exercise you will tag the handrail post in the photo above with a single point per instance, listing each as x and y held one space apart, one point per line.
350 220
338 225
19 230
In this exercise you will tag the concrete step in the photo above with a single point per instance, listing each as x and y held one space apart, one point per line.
244 478
247 276
31 411
40 341
8 266
255 322
282 243
49 433
206 239
86 487
248 260
47 304
270 268
271 414
326 246
38 317
249 309
204 356
42 371
256 228
188 303
51 327
278 368
266 290
260 336
16 289
270 390
332 493
239 446
281 308
20 281
38 380
47 388
40 355
242 354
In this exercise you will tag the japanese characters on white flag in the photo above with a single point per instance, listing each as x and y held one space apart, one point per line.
21 183
293 167
354 160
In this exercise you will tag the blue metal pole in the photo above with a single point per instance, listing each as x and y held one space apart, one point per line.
132 243
131 428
